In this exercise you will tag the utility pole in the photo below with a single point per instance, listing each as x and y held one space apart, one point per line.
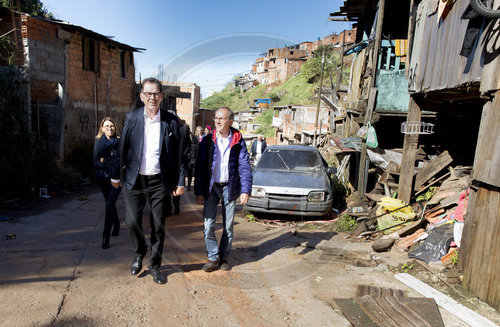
339 79
319 96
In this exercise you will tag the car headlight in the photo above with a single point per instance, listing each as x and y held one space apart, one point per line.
258 191
316 196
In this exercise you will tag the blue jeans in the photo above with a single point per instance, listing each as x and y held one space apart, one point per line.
221 251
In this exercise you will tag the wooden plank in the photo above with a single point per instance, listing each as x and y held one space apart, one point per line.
468 238
460 311
482 250
434 182
374 197
426 308
376 291
409 154
362 162
434 167
352 311
389 311
391 168
487 157
490 79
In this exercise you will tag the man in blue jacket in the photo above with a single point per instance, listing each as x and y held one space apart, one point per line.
223 172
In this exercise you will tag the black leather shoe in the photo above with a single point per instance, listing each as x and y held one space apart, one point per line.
136 265
211 266
105 242
158 277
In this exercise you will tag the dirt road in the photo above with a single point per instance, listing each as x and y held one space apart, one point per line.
55 274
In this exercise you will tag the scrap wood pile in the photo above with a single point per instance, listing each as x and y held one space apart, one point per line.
377 306
430 227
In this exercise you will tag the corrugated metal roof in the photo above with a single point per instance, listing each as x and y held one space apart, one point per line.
436 63
353 9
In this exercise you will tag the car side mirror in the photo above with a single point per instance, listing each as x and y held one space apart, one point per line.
331 170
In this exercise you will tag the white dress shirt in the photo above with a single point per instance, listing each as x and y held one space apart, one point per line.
222 150
150 161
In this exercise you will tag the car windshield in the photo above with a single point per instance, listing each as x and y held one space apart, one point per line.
290 160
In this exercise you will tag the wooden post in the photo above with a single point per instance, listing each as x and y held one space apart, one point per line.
319 97
409 154
411 33
372 96
362 160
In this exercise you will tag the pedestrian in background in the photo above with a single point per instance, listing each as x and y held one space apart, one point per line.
199 133
192 155
151 171
258 147
208 130
186 148
223 174
106 161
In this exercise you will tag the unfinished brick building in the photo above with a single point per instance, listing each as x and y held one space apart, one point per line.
75 77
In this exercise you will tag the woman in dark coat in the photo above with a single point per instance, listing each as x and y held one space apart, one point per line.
107 166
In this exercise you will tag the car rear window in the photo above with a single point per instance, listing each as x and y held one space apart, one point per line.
289 160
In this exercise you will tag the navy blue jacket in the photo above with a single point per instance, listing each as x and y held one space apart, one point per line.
110 152
253 148
240 172
131 143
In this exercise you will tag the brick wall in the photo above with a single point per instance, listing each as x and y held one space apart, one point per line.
64 96
187 107
113 94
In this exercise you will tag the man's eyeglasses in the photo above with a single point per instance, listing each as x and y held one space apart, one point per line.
149 94
220 119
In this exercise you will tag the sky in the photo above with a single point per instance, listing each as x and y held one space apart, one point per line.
202 42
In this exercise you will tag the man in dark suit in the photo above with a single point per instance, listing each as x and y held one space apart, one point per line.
151 172
258 147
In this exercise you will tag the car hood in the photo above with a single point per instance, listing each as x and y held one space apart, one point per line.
289 182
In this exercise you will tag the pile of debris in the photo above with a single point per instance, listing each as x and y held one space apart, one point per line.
430 227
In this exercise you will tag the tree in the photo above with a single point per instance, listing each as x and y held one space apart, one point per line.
7 44
312 68
32 7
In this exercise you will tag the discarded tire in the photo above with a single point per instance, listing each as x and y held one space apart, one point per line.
484 11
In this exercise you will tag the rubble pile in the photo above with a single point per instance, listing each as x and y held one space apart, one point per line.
430 227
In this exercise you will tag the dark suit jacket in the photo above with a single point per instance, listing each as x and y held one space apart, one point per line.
131 143
253 148
110 152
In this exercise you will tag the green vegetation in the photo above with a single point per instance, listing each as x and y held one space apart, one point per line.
296 90
312 68
454 260
32 7
7 44
7 51
345 223
266 121
405 267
